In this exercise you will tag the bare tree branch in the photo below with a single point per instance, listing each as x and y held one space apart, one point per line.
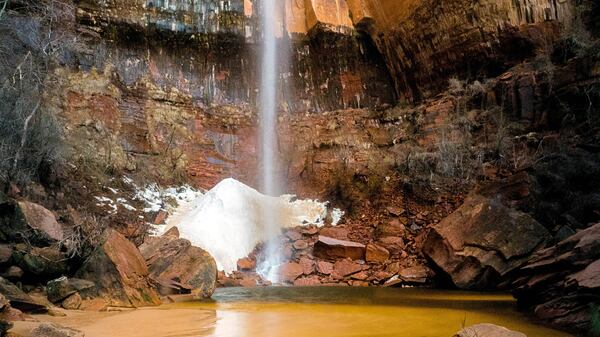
24 135
4 4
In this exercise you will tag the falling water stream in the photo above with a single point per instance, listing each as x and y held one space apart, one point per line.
268 133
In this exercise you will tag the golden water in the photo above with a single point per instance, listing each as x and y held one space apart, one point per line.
316 311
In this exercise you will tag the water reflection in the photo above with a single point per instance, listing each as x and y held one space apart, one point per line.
312 312
345 311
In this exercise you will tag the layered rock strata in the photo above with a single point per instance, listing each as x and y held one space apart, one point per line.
561 283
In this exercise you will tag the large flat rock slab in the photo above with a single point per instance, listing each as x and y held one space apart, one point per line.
178 267
482 241
330 248
120 274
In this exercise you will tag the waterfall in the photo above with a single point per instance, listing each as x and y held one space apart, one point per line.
268 135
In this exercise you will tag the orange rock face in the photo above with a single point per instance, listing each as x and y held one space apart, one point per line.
376 253
290 271
177 266
309 281
423 39
346 267
246 264
120 273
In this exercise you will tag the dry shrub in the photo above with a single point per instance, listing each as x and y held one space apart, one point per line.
35 38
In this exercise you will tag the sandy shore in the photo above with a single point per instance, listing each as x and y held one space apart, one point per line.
142 322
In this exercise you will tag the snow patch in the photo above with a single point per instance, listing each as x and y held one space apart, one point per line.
228 221
157 198
336 216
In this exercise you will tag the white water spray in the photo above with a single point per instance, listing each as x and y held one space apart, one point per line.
268 135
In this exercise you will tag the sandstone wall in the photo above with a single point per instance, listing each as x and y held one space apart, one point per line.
211 50
423 42
427 41
172 89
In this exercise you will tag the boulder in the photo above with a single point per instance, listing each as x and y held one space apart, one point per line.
19 299
73 302
6 252
246 263
330 248
41 219
482 241
43 262
394 244
63 287
346 267
307 281
25 221
248 282
324 267
310 230
393 268
10 314
416 274
358 283
173 231
308 265
488 330
94 304
4 327
54 330
56 312
361 276
300 244
3 302
561 283
381 275
290 271
178 267
119 272
293 234
376 254
392 228
13 273
160 218
334 232
395 211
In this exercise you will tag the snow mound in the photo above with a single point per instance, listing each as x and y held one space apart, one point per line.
228 221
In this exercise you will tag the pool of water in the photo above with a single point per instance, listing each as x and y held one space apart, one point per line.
317 311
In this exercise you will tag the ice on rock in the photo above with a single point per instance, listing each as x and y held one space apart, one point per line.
227 220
